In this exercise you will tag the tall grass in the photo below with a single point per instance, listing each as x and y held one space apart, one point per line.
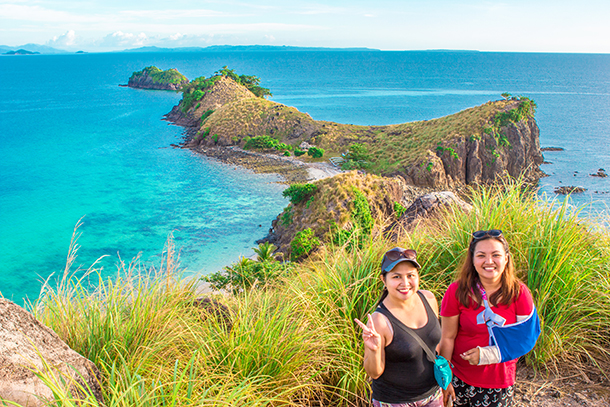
295 342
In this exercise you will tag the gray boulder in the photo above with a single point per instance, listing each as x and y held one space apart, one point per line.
425 207
23 342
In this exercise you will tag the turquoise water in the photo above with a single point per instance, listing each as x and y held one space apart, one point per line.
74 144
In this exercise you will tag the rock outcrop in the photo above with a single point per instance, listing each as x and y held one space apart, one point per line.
425 207
486 158
566 190
24 344
330 209
153 78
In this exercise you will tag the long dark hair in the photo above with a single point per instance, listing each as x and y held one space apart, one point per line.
468 279
384 293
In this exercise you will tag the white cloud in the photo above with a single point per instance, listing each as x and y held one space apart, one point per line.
65 40
172 14
121 39
176 37
269 38
321 9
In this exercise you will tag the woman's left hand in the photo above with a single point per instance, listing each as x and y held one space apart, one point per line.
472 356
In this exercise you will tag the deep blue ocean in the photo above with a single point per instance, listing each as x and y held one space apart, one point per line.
73 144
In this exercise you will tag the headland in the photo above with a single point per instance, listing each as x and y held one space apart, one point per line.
227 116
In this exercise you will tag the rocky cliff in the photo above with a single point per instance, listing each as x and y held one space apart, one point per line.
511 149
153 78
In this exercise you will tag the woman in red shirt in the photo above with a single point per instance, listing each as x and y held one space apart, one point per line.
488 272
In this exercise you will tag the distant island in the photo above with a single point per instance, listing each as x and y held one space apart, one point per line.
152 77
21 52
44 49
244 48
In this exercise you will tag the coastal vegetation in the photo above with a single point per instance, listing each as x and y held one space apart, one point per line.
287 337
169 76
196 89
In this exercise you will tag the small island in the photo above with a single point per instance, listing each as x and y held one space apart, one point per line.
21 52
152 77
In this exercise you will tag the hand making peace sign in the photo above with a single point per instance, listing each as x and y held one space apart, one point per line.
372 339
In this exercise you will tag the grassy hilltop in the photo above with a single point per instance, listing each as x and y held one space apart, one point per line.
287 336
473 146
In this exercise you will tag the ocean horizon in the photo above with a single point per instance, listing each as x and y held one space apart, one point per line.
75 145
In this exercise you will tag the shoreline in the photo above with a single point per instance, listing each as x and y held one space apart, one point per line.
291 169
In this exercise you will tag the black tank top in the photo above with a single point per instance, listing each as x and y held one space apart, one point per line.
408 374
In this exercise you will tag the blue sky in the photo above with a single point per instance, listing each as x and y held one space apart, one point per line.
485 25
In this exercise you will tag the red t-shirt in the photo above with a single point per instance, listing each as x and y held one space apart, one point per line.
472 334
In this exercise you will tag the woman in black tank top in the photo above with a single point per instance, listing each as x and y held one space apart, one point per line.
402 374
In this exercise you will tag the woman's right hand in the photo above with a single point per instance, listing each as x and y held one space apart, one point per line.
371 337
448 395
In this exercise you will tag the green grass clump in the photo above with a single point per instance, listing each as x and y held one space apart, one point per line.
292 339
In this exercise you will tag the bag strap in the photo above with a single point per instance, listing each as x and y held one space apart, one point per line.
431 355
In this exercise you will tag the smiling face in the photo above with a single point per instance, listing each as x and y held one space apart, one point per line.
402 281
490 260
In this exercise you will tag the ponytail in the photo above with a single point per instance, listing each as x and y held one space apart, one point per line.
383 295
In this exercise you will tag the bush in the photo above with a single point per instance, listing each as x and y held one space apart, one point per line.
315 152
361 214
261 143
246 274
287 153
205 115
399 209
357 157
299 192
286 217
304 242
298 152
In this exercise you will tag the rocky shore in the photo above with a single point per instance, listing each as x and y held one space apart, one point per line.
290 169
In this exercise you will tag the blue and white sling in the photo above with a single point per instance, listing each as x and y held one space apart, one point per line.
512 340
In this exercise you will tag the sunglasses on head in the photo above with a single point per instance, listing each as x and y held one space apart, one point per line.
398 253
481 234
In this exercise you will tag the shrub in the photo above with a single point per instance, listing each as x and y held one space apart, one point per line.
299 192
261 143
315 152
246 274
361 214
287 153
357 157
298 152
206 114
303 243
286 218
399 209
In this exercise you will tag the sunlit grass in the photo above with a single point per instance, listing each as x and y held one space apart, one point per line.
295 342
